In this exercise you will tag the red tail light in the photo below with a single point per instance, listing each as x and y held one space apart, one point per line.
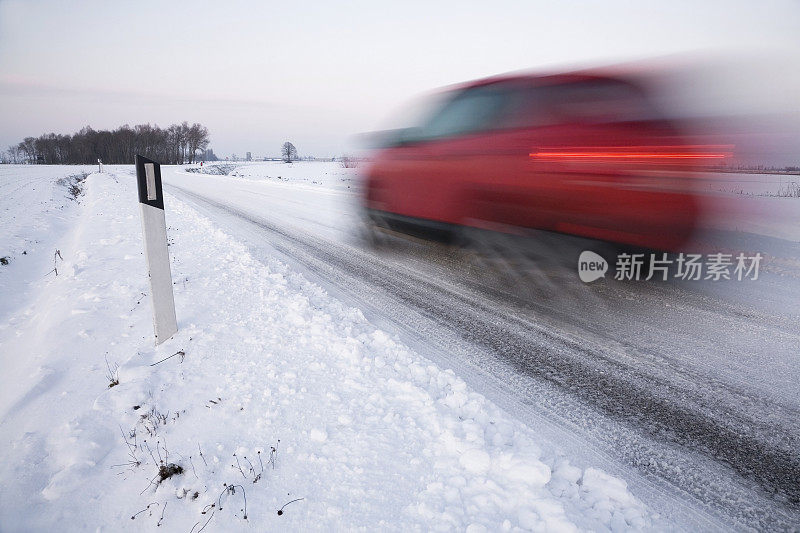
633 154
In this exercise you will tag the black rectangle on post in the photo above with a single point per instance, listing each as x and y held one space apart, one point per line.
148 180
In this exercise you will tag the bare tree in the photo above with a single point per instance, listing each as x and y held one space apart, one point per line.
14 155
288 152
175 145
197 138
349 161
28 149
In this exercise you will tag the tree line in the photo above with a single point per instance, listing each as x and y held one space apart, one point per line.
174 145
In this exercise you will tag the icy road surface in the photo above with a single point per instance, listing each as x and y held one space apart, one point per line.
691 391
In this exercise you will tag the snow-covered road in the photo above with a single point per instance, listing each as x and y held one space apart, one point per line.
412 386
683 384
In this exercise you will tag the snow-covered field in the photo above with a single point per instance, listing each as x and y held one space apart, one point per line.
329 175
275 407
753 184
763 204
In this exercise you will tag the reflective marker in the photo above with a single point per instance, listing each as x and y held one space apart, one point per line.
154 233
150 174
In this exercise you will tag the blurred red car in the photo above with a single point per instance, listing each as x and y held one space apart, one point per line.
581 153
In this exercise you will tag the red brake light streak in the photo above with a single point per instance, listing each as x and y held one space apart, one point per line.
634 153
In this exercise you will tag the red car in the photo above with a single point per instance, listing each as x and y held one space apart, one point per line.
581 153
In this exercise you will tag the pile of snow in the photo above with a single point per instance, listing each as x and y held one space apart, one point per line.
275 406
318 174
214 169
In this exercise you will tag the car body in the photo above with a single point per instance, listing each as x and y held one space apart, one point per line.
580 153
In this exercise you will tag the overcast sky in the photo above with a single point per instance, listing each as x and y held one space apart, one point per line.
258 73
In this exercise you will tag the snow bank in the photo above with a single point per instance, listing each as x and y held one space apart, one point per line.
35 206
316 174
272 391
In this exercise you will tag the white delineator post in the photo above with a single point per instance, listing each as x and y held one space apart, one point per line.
154 233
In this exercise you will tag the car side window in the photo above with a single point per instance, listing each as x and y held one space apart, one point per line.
469 111
596 101
587 102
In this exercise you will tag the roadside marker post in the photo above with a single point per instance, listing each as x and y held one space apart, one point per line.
154 234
